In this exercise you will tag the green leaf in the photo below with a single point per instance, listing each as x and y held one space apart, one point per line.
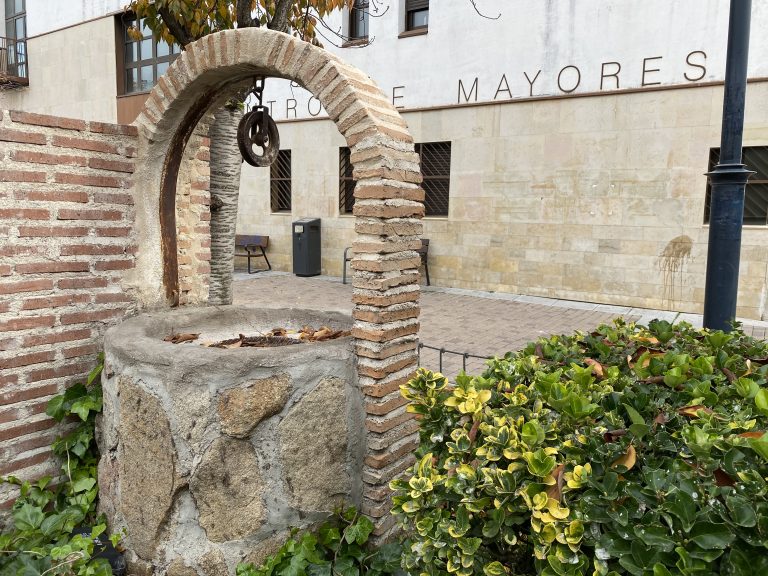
532 433
660 570
742 512
83 484
655 537
682 505
760 445
761 401
634 415
359 531
709 535
28 517
494 569
346 566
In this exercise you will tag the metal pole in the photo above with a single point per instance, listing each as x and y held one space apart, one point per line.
728 180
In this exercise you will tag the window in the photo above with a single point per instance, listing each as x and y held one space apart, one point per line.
435 158
756 193
416 14
358 20
13 48
346 182
144 60
280 182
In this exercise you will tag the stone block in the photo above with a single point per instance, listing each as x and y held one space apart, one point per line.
241 409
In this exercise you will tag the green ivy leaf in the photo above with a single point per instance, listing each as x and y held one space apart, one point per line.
359 531
345 566
28 517
761 401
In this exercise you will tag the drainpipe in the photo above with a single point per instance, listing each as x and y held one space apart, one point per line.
728 180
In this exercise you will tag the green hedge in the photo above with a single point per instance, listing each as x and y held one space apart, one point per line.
624 451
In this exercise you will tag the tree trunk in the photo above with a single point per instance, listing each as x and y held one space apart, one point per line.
225 186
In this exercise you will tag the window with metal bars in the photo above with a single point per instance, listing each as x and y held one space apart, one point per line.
280 182
416 14
756 193
358 20
346 182
435 158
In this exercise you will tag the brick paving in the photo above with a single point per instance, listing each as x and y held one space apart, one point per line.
480 323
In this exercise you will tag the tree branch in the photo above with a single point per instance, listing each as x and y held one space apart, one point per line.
474 5
174 27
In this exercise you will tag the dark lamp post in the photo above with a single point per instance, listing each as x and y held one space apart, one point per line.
728 180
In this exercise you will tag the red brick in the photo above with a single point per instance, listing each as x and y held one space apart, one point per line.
92 250
16 465
55 301
33 443
24 394
118 231
21 176
55 338
105 198
201 185
131 151
89 214
55 231
80 283
7 416
94 316
26 286
9 380
113 165
60 372
26 428
24 214
45 120
26 323
78 351
5 306
204 200
113 129
204 217
88 180
52 196
27 359
17 250
44 158
84 144
5 270
112 298
114 265
51 267
21 136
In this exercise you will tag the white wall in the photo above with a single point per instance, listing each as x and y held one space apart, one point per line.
48 15
545 36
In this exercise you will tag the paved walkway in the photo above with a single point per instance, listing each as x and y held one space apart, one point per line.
481 323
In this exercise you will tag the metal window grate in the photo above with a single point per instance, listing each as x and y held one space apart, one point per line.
435 160
346 182
280 182
756 193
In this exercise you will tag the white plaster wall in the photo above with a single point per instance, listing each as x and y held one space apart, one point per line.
48 15
546 36
71 73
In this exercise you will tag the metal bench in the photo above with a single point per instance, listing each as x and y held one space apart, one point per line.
423 252
252 246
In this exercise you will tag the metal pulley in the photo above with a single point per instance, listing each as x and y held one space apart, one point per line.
257 135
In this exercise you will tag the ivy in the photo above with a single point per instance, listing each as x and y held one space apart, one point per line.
43 536
340 547
628 451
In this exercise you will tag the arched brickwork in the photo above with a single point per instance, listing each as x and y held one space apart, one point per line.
388 209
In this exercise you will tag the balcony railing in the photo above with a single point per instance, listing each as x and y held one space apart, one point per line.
13 62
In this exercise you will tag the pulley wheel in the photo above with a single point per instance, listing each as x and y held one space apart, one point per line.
257 148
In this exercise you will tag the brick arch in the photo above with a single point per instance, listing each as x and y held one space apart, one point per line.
388 209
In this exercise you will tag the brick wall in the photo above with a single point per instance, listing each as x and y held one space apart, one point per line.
193 218
66 240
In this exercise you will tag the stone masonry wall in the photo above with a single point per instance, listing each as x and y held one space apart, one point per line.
67 239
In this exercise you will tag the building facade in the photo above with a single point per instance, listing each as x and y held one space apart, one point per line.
563 144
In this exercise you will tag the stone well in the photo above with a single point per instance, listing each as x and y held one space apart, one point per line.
210 454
